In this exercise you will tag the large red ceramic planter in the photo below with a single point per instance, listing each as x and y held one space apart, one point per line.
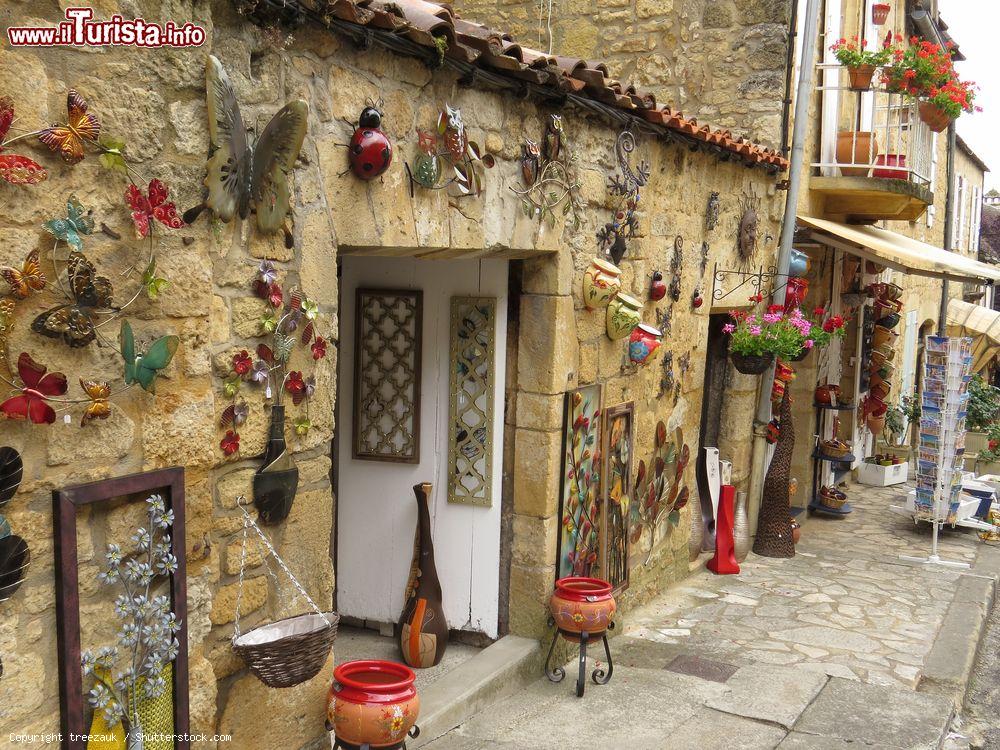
582 605
372 703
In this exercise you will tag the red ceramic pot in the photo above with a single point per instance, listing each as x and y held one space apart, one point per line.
827 394
891 160
582 605
642 343
372 702
935 117
880 13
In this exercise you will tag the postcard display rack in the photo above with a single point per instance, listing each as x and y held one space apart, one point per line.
944 402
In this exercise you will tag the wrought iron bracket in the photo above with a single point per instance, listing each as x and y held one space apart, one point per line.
760 281
600 676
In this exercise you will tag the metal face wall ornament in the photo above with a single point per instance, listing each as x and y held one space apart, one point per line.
243 172
660 494
471 395
748 228
618 494
370 151
14 168
580 496
712 211
547 173
388 338
624 225
447 158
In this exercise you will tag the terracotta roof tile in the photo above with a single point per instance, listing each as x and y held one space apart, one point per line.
475 44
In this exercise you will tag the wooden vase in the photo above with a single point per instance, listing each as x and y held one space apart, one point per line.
423 629
741 528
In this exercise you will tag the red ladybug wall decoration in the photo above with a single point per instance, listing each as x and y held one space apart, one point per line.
370 151
697 300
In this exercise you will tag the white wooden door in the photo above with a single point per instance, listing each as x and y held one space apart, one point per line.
377 513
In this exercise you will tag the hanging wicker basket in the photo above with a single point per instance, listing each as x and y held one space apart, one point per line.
285 652
751 364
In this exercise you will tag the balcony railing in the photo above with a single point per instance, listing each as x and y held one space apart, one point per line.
873 133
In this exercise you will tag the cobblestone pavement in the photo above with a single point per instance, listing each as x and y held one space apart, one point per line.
982 705
845 604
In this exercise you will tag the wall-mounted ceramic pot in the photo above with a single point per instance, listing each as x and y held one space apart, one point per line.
623 315
643 342
601 282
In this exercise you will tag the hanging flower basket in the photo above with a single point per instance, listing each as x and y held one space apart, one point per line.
861 76
751 364
935 117
880 13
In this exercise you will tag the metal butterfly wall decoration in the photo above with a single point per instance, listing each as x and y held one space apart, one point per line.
37 386
71 230
14 168
81 127
142 368
152 205
243 172
26 279
74 322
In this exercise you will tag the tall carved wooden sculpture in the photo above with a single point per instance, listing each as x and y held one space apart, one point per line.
774 525
423 630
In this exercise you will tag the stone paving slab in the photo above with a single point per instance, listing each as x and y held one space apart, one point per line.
884 717
775 695
711 730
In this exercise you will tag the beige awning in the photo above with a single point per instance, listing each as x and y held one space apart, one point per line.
899 252
982 324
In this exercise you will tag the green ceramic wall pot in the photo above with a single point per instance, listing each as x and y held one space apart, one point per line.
623 315
601 282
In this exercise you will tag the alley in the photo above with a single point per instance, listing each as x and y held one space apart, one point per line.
828 649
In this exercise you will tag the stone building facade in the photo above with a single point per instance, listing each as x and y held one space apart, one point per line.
155 101
723 61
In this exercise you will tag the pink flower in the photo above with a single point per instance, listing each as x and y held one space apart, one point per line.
772 317
755 330
808 343
728 328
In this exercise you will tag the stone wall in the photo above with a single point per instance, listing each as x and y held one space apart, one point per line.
155 101
722 61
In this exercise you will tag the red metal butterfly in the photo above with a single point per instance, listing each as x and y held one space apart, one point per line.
31 402
145 208
16 169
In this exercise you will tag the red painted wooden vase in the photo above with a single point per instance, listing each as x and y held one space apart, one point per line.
372 703
582 605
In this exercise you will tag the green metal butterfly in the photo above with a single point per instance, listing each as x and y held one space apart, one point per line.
78 222
143 368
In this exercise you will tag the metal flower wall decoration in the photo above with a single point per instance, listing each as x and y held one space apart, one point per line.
625 186
86 301
16 169
660 495
244 172
291 321
446 157
547 172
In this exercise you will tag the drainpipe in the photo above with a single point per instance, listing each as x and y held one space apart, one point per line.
949 218
800 126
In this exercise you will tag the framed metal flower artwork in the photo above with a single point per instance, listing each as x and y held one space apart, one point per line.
580 514
617 493
245 172
140 517
388 342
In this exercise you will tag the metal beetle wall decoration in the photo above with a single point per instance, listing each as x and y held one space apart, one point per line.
245 172
624 224
450 147
370 150
546 170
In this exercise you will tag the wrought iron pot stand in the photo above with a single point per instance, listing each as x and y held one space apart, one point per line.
599 675
339 744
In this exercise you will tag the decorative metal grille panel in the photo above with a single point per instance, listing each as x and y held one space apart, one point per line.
472 382
387 375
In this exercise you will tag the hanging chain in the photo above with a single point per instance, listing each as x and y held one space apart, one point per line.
249 523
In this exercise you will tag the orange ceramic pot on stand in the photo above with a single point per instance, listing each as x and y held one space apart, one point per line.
372 704
582 610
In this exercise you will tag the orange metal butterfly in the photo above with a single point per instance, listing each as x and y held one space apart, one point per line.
27 278
16 169
99 407
68 140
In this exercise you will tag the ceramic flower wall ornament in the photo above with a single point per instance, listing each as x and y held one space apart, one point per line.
625 186
245 173
448 159
14 168
548 174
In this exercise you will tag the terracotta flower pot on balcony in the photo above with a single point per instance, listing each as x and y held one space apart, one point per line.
935 117
856 147
880 13
891 160
860 76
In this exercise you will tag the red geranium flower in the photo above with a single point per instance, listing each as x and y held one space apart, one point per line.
230 442
242 362
294 384
275 296
319 348
31 402
819 312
